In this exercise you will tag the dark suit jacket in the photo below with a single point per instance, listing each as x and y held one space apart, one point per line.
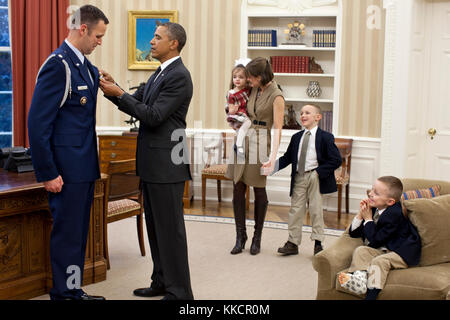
62 138
328 157
161 107
393 231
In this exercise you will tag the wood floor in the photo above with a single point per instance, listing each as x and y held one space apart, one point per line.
274 213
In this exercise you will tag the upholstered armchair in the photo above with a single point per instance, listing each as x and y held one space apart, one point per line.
430 280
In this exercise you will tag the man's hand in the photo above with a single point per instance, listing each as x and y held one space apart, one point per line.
106 76
110 89
54 186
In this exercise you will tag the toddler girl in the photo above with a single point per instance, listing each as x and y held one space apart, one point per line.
236 108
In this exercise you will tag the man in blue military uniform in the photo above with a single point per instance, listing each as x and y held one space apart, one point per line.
61 128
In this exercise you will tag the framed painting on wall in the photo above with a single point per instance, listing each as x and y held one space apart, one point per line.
141 28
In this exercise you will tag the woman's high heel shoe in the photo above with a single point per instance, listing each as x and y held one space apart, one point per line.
240 244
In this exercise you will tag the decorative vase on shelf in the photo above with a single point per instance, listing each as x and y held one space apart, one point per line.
314 90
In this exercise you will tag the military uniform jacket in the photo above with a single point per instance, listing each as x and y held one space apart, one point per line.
61 121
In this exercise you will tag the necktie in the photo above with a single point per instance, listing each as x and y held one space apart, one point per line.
150 82
157 73
376 216
302 158
86 70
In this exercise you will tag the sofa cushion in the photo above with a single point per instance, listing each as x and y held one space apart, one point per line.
422 193
219 169
416 283
432 219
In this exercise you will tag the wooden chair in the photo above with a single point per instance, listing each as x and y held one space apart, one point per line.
342 174
217 171
123 199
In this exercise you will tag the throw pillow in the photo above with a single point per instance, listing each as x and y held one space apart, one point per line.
422 193
432 220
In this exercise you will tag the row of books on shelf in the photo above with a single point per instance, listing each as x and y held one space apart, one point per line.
294 64
324 38
326 123
262 38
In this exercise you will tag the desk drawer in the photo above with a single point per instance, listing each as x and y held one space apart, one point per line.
113 148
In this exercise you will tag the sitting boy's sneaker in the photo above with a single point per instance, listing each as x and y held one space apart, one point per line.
355 283
288 249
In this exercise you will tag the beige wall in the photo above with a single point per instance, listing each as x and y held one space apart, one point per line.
213 45
361 94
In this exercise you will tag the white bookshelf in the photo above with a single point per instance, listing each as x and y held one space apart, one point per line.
294 85
290 48
307 75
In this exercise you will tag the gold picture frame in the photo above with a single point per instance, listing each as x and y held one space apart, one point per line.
141 28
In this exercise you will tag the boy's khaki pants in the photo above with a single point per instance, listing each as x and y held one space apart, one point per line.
306 190
377 263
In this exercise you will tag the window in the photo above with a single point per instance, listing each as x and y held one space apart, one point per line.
6 110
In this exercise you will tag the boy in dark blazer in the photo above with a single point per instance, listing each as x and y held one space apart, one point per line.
391 241
314 158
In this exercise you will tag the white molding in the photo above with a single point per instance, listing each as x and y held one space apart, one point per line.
111 130
251 223
396 86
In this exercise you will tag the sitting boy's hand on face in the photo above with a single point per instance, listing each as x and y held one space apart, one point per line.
365 210
362 206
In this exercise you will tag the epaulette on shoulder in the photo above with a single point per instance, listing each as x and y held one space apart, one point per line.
68 87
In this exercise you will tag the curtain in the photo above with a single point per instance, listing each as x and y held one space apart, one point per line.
38 27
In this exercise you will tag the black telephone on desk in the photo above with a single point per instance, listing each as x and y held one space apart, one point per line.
16 159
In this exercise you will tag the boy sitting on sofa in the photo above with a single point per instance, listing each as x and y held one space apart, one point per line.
391 241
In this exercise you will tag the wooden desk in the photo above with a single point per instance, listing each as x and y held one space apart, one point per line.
25 226
114 148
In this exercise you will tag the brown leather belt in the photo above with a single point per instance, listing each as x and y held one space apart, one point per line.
307 171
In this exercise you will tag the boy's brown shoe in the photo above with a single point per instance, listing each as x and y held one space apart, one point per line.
288 249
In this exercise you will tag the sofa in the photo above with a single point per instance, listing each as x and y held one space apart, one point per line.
430 280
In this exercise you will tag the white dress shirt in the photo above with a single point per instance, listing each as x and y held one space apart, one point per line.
311 155
166 64
77 52
79 55
357 222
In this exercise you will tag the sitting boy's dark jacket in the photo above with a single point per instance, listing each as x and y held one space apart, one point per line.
328 157
393 231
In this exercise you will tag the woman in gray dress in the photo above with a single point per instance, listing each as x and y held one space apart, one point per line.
266 111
